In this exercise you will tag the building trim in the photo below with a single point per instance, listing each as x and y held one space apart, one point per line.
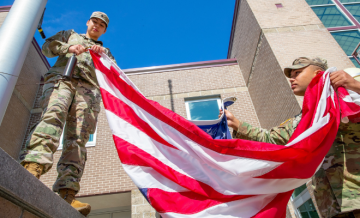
100 194
38 49
200 93
176 67
5 8
342 28
348 14
233 26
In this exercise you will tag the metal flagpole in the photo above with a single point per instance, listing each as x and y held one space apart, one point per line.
16 34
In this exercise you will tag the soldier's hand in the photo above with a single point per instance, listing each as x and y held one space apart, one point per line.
77 49
341 78
98 49
231 119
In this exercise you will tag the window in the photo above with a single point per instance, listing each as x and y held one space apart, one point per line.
203 108
348 40
319 2
347 1
307 210
279 5
331 16
298 191
354 9
90 143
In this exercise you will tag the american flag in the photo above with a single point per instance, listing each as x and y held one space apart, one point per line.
183 172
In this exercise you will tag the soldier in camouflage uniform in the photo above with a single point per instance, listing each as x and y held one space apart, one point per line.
337 183
75 101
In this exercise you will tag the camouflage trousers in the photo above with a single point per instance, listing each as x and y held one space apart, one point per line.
76 102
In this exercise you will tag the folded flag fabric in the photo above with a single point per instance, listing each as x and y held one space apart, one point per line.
183 172
217 129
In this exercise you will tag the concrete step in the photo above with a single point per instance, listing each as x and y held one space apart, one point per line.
23 196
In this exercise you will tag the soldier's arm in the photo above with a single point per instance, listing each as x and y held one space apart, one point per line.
278 135
57 45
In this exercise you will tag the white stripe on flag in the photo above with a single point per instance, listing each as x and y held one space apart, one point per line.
187 165
147 177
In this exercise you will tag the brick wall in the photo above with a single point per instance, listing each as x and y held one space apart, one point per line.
272 97
190 80
245 39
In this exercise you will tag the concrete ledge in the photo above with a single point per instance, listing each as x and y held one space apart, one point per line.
21 188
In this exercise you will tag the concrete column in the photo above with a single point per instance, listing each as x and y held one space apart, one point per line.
16 34
140 208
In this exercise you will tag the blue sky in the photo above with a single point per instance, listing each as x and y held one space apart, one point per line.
145 33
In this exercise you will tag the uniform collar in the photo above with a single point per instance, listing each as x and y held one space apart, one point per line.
98 42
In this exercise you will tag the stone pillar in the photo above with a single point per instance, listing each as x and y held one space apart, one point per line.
140 208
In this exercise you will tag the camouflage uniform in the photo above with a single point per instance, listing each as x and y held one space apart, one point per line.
278 135
337 183
75 101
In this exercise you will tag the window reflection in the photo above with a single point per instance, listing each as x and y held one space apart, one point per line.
331 16
348 40
319 2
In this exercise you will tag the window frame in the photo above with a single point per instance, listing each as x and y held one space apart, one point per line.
200 99
341 12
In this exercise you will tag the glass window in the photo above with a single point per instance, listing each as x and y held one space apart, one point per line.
331 16
346 1
354 10
203 109
307 210
348 40
298 190
319 2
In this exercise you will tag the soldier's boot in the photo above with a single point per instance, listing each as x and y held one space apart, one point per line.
34 168
69 196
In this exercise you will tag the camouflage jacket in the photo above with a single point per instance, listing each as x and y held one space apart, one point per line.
337 183
58 45
279 135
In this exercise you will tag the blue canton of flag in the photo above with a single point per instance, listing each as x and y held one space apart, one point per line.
217 129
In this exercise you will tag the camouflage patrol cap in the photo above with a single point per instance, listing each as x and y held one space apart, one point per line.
101 15
302 62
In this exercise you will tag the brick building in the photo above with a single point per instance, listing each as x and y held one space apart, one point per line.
266 36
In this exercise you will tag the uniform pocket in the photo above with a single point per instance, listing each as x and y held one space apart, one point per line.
48 88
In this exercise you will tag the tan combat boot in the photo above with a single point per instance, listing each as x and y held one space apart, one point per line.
69 196
34 168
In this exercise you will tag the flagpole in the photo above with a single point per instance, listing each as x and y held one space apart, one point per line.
16 34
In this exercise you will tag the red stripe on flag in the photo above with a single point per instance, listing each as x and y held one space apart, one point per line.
184 202
132 155
277 207
126 113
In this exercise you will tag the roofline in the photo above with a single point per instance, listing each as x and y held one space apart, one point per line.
5 8
185 66
236 9
38 50
34 42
